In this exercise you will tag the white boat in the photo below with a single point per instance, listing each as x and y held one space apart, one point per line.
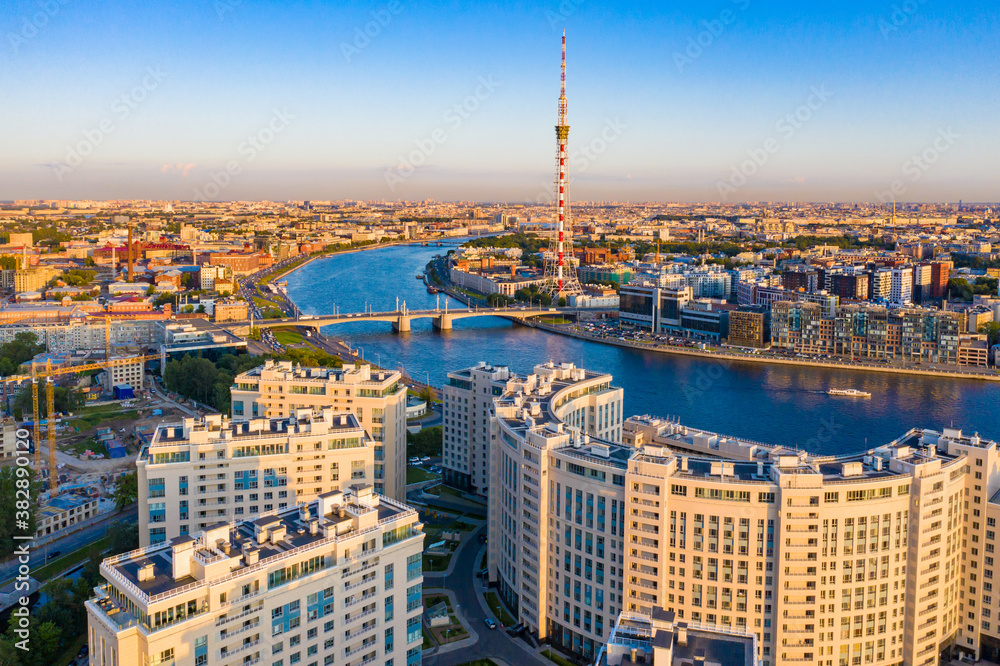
850 393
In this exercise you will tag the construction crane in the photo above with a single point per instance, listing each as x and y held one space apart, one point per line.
49 375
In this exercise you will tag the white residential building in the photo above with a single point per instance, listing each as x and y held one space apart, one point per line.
333 582
901 287
203 471
377 398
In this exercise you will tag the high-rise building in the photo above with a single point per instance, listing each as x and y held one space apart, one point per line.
869 557
901 286
336 581
467 400
468 410
203 471
376 397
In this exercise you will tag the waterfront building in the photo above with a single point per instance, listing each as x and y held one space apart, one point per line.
336 581
202 471
377 398
558 410
231 310
467 404
749 327
858 558
973 350
639 305
658 639
867 331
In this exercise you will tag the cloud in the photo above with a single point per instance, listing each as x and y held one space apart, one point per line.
180 168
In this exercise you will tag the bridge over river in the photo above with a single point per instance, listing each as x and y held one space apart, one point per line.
400 319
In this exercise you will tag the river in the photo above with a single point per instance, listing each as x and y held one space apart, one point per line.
769 403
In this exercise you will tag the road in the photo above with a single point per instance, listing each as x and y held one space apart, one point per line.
67 544
467 588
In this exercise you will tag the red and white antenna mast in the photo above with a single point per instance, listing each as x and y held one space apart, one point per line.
562 136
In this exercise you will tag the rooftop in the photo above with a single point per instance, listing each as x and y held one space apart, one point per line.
229 550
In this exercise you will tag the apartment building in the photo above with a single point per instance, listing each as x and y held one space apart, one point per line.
88 334
377 398
203 471
468 410
467 403
864 558
867 331
901 285
333 582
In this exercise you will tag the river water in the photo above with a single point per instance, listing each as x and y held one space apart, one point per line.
769 403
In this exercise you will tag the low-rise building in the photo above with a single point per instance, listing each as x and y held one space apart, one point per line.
658 639
61 513
231 310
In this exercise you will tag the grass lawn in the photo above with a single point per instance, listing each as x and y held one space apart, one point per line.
288 336
482 562
91 417
555 658
79 448
436 562
554 321
419 475
71 649
264 303
428 642
496 606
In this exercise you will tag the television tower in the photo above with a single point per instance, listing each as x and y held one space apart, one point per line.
561 278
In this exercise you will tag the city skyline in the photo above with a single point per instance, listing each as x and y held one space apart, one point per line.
735 102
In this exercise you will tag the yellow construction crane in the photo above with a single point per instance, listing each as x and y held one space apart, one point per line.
49 374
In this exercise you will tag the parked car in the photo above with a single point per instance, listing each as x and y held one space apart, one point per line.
491 623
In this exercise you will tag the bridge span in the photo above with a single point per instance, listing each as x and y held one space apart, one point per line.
400 319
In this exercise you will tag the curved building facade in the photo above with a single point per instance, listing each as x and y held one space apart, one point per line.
880 557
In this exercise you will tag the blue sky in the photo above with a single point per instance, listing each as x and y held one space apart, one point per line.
725 100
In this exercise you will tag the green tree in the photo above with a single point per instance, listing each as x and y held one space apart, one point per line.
427 442
89 261
66 400
427 395
24 347
562 301
126 491
151 290
12 479
122 537
992 332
